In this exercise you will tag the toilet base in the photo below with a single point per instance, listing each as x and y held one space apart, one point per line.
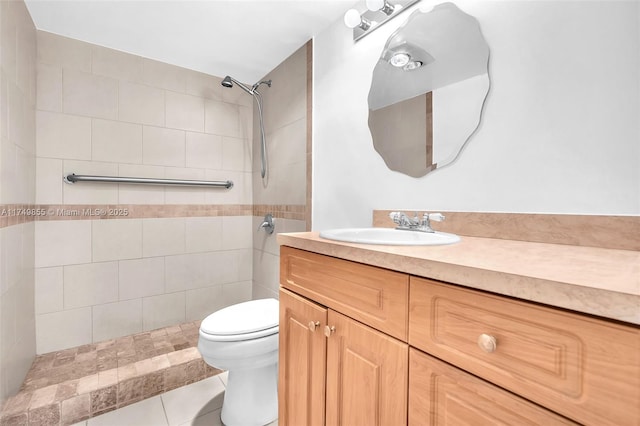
251 397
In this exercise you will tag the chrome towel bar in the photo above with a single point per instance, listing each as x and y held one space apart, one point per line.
73 178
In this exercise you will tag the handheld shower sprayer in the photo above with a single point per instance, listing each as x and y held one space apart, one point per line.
253 91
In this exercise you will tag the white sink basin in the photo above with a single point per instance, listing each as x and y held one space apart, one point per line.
389 236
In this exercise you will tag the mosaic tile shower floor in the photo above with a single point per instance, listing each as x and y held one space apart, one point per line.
66 387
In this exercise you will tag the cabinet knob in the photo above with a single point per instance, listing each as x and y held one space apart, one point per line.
487 343
313 325
329 330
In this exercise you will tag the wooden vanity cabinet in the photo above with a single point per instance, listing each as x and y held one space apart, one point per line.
361 345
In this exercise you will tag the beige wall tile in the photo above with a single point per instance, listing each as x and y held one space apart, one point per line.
236 292
62 330
222 118
138 103
8 153
140 194
163 311
116 239
224 266
89 95
25 180
184 112
115 64
237 232
203 234
202 302
236 154
141 278
164 76
118 319
49 287
245 260
48 181
163 237
186 272
237 96
90 192
90 284
63 136
290 144
62 51
49 88
62 243
266 270
204 151
204 85
116 142
163 147
287 181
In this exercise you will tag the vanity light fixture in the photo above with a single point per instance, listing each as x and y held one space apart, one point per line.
377 13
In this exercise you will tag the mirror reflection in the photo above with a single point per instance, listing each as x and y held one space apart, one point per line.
428 90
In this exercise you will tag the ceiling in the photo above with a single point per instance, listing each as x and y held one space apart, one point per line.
242 38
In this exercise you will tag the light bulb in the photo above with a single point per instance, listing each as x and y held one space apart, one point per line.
400 59
352 18
381 5
374 5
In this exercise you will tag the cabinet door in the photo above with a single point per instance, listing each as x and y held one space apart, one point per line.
302 361
367 374
440 395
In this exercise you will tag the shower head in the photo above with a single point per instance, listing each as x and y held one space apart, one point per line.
229 82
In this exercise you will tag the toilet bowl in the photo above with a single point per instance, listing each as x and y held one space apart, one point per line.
243 339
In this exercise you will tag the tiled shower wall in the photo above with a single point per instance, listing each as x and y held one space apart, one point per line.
117 259
17 172
287 126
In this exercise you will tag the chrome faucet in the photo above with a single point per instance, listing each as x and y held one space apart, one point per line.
406 223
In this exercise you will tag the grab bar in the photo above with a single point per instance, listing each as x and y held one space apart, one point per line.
73 178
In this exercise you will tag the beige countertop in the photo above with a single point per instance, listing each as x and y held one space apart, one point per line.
603 282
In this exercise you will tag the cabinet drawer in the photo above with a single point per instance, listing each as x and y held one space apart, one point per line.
440 395
375 296
584 368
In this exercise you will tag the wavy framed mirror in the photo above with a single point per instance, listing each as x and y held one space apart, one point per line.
428 90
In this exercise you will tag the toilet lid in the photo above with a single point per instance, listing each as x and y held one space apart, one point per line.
243 318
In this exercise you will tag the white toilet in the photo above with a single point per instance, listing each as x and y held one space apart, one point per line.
243 339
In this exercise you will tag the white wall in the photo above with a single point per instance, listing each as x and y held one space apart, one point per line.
560 133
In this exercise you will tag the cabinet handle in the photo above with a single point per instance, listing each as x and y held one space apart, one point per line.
329 330
313 325
487 343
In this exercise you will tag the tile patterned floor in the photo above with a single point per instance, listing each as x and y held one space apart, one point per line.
76 384
198 404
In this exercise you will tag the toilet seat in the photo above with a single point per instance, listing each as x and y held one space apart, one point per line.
245 321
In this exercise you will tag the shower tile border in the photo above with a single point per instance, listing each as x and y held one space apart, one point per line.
16 214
